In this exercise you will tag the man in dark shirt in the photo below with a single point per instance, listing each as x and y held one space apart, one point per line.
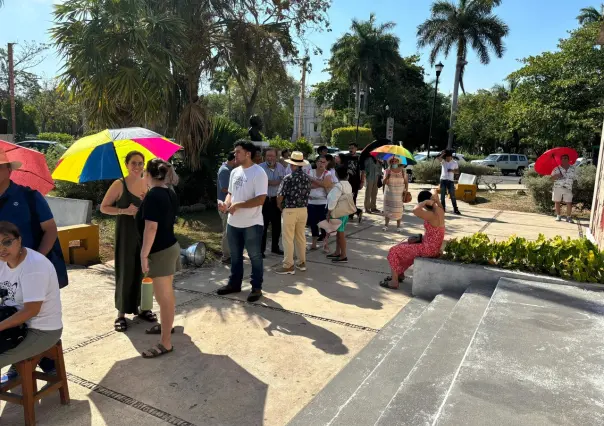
292 198
354 174
222 186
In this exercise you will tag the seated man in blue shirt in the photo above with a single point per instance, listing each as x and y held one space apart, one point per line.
15 201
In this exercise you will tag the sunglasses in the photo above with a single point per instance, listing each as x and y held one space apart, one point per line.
7 243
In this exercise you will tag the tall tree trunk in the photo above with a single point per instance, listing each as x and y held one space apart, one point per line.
358 107
460 64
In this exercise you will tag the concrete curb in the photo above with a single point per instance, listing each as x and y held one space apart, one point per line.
433 276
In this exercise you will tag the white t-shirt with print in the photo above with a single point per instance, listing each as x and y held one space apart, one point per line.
447 170
245 184
34 280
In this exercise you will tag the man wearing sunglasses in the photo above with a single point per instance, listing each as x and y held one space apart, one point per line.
29 211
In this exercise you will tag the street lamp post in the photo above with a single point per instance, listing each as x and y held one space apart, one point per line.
439 68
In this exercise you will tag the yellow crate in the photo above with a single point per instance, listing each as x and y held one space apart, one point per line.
80 244
464 192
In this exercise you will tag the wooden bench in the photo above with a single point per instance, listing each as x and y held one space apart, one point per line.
29 388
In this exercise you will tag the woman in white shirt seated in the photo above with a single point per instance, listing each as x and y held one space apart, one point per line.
31 282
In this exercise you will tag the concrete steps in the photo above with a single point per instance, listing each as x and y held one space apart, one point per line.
522 353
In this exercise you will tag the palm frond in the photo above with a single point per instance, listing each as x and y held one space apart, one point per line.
193 133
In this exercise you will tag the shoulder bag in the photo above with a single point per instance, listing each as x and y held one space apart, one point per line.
345 206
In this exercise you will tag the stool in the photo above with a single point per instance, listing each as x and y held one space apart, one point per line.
27 379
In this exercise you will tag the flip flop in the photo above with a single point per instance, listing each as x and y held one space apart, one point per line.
157 350
386 284
120 325
148 316
156 329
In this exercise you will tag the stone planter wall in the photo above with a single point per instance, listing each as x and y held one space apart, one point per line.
434 276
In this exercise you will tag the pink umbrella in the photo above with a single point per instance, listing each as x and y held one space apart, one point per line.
33 171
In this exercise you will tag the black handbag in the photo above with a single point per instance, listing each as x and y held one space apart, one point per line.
11 337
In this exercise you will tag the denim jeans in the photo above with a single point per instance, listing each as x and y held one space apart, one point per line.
251 239
448 186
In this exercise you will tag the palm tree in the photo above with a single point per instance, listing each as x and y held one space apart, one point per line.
364 53
590 15
470 23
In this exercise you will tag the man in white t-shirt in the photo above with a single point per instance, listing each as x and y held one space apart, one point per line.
447 178
248 186
564 177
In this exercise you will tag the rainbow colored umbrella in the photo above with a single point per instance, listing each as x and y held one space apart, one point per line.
386 152
102 156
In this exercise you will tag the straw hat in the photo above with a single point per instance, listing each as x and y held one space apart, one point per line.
297 159
14 165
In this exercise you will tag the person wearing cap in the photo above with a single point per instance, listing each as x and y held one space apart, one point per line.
15 203
292 199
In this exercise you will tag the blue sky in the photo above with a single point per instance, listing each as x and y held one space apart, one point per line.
535 26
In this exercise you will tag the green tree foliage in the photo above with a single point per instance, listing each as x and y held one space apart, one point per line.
467 24
558 100
27 56
56 111
63 138
25 117
589 15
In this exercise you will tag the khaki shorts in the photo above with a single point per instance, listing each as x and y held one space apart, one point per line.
562 195
165 262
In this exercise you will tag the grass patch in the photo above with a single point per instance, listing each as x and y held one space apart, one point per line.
191 227
512 201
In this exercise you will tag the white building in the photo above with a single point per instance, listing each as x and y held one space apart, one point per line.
311 119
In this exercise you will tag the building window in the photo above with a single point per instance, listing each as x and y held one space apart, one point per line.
315 127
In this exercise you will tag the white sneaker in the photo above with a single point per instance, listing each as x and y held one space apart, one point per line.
385 228
399 230
558 218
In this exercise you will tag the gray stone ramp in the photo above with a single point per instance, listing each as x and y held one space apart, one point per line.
364 396
324 407
537 359
422 392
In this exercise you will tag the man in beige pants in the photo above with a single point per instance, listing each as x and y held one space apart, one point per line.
292 199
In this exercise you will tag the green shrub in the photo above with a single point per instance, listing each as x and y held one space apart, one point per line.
427 172
304 146
62 138
540 188
343 136
578 260
194 186
472 157
280 143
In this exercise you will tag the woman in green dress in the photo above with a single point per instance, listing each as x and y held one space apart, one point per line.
123 199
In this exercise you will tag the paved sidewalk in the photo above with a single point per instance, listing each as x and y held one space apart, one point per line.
237 363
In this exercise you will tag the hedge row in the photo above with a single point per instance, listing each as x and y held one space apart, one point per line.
344 136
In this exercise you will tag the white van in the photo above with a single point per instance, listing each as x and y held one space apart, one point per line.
507 163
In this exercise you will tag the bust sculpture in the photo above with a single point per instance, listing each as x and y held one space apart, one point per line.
255 128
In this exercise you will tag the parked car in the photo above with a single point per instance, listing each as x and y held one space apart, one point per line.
581 161
42 146
506 163
423 156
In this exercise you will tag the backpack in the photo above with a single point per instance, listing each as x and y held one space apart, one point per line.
11 337
55 255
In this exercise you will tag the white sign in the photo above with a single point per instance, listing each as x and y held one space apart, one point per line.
390 128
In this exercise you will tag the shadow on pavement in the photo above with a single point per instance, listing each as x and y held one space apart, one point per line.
197 387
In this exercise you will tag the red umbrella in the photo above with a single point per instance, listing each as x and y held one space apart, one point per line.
33 171
549 160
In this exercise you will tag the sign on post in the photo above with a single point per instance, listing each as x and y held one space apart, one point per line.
390 128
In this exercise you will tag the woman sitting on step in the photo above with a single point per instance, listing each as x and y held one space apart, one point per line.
31 286
402 255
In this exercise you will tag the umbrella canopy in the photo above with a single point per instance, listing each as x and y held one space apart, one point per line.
33 171
102 156
549 160
386 152
367 150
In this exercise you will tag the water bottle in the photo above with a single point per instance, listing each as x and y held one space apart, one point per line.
147 294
